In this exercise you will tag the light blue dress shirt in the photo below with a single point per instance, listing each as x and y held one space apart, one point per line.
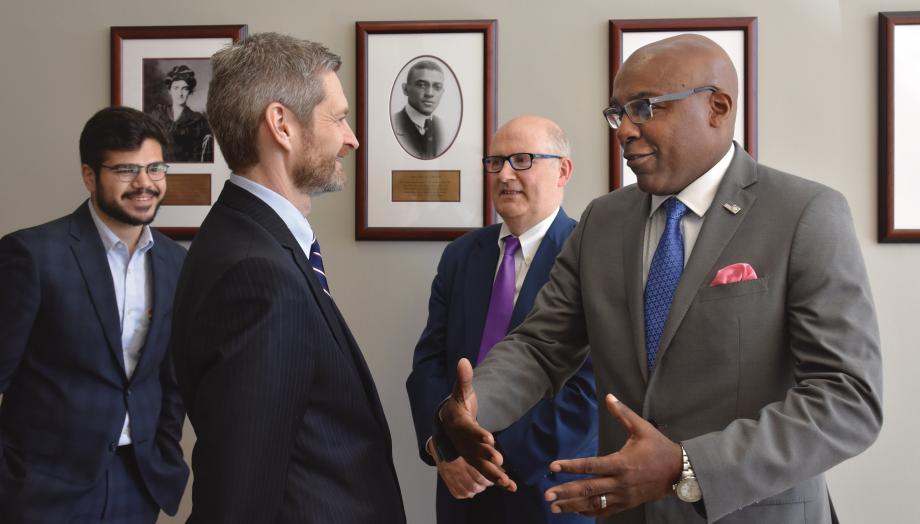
290 215
132 278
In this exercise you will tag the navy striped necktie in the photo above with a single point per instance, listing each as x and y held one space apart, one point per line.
316 260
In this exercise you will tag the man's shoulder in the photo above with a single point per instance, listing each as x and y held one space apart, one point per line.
50 235
473 238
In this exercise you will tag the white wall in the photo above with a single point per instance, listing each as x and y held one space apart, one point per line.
817 101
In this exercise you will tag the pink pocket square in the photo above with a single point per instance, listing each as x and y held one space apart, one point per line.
733 273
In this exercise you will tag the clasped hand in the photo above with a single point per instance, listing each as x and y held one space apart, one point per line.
643 470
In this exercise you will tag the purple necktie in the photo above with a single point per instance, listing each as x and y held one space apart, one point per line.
502 302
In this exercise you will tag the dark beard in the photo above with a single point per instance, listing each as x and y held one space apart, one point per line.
119 214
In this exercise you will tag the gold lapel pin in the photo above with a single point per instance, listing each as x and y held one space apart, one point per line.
732 207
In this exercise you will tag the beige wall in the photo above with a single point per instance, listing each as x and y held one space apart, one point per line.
817 102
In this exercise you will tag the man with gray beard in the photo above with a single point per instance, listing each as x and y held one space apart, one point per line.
288 422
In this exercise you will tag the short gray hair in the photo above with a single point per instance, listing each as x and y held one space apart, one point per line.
558 140
250 75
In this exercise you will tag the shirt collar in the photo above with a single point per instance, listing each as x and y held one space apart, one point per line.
298 224
416 117
530 239
699 194
110 240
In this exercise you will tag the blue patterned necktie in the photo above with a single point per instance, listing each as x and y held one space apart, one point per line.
663 277
316 260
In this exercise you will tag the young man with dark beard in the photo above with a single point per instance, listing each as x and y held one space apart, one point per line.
91 418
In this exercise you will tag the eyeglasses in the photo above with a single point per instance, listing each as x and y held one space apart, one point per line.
640 109
128 172
518 161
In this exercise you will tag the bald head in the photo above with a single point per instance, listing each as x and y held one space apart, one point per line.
525 197
687 136
687 61
537 130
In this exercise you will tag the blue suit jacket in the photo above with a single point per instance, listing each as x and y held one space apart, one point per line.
62 373
561 427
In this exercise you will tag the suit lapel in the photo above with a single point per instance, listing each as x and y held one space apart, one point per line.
263 214
477 286
90 254
249 204
156 314
633 241
543 260
719 226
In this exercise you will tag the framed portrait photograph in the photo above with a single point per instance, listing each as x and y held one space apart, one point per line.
899 127
738 36
164 71
426 114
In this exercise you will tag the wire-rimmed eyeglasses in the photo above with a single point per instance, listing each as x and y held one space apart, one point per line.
128 172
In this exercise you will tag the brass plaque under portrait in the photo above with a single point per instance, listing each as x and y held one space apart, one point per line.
426 186
188 190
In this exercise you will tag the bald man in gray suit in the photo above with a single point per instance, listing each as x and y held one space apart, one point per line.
726 302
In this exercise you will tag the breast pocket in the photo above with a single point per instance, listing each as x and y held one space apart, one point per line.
738 289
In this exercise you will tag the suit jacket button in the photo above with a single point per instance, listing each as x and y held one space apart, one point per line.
112 447
128 392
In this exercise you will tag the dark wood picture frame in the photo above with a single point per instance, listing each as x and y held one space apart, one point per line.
122 52
370 128
888 230
748 25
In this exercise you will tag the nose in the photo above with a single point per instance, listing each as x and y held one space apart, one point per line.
506 173
350 139
627 131
142 179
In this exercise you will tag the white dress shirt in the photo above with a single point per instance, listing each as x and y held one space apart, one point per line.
133 282
530 242
417 118
698 198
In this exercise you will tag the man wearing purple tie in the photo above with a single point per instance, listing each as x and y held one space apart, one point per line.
724 301
485 286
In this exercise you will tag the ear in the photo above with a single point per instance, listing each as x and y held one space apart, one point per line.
405 88
279 122
89 178
566 167
721 107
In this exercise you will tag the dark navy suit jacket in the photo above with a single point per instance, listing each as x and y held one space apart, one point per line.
62 373
288 422
561 427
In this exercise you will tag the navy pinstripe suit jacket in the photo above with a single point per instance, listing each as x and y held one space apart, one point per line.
62 374
289 425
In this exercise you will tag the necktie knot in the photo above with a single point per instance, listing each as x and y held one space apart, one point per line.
512 243
675 209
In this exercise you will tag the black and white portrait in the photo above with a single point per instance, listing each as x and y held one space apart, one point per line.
426 107
175 93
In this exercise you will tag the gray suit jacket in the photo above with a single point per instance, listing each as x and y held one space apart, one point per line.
768 383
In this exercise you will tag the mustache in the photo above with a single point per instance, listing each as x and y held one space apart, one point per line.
141 192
